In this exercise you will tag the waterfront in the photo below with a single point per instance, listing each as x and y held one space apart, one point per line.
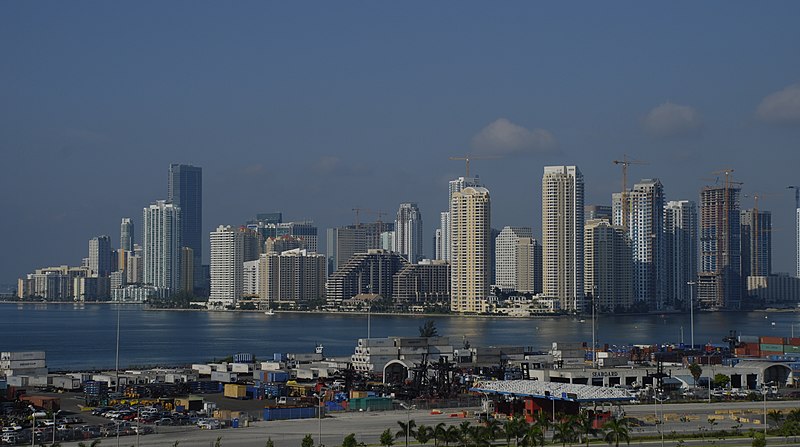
77 336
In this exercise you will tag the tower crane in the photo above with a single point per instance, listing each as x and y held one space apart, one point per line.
467 158
625 162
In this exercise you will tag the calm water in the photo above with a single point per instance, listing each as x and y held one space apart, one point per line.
83 336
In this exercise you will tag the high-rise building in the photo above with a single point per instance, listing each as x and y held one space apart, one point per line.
126 234
252 242
408 232
294 276
453 186
251 277
304 230
720 280
562 236
518 260
368 273
388 241
607 266
134 265
437 244
424 283
592 212
187 270
227 264
343 243
756 243
444 236
283 243
680 241
161 243
185 191
797 243
471 251
645 229
100 255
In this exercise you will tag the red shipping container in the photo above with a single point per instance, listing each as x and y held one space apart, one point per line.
766 353
794 341
770 340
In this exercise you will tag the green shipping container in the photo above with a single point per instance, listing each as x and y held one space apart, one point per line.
791 349
771 348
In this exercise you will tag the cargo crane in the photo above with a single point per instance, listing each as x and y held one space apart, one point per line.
467 158
625 162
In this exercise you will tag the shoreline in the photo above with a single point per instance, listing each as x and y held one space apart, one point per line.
400 314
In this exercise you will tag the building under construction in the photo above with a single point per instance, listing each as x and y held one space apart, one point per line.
720 278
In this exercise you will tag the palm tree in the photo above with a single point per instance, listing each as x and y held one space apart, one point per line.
516 429
406 430
542 422
775 416
451 434
584 422
464 433
423 434
564 431
616 430
439 433
494 429
534 436
479 436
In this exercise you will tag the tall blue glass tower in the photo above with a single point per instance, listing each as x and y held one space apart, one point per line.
186 192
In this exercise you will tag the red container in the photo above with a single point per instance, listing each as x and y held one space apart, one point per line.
770 340
794 341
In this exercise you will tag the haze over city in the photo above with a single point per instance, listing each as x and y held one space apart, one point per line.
315 110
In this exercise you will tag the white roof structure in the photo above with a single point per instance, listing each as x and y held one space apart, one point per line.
552 390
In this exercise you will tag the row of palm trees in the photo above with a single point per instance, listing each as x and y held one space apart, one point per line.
565 430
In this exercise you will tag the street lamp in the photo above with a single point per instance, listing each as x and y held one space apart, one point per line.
691 308
55 413
33 427
659 421
764 390
594 342
408 418
319 417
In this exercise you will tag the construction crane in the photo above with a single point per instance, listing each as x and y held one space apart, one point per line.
796 195
625 162
467 158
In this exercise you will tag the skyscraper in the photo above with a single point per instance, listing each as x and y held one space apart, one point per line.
227 266
161 244
756 243
680 241
126 234
470 241
720 281
100 255
562 236
444 236
518 261
608 267
408 232
185 191
453 186
645 229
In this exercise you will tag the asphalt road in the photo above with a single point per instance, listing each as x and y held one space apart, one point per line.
367 426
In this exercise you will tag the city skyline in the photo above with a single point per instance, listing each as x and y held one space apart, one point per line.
371 122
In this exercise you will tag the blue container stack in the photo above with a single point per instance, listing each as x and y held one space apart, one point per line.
243 357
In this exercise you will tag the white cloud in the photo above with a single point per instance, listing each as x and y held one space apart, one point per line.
502 137
672 120
782 107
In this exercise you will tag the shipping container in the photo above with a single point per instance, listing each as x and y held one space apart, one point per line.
201 369
371 404
749 339
279 357
235 391
277 376
283 413
224 376
407 342
22 364
64 382
791 349
22 355
771 347
794 341
375 342
242 368
271 366
771 340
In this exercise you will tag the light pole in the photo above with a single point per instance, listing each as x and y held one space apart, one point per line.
659 421
691 309
764 389
408 418
319 417
594 342
55 413
33 427
116 362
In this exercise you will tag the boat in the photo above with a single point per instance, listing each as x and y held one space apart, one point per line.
269 312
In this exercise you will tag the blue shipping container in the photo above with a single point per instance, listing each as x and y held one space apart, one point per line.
243 357
279 414
278 376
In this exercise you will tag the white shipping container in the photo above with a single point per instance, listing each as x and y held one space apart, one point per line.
224 376
365 342
18 381
603 355
64 382
37 381
242 368
271 366
26 372
381 350
19 364
202 369
22 355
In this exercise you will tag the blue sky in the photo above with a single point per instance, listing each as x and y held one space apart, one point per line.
313 109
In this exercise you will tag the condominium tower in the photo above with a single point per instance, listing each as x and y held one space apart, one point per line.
607 266
518 260
562 235
161 245
408 232
100 255
470 254
126 234
680 242
756 243
720 281
227 265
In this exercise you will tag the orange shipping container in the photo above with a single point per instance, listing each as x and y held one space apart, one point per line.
772 340
794 341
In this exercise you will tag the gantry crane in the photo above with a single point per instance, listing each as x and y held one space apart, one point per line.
625 162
